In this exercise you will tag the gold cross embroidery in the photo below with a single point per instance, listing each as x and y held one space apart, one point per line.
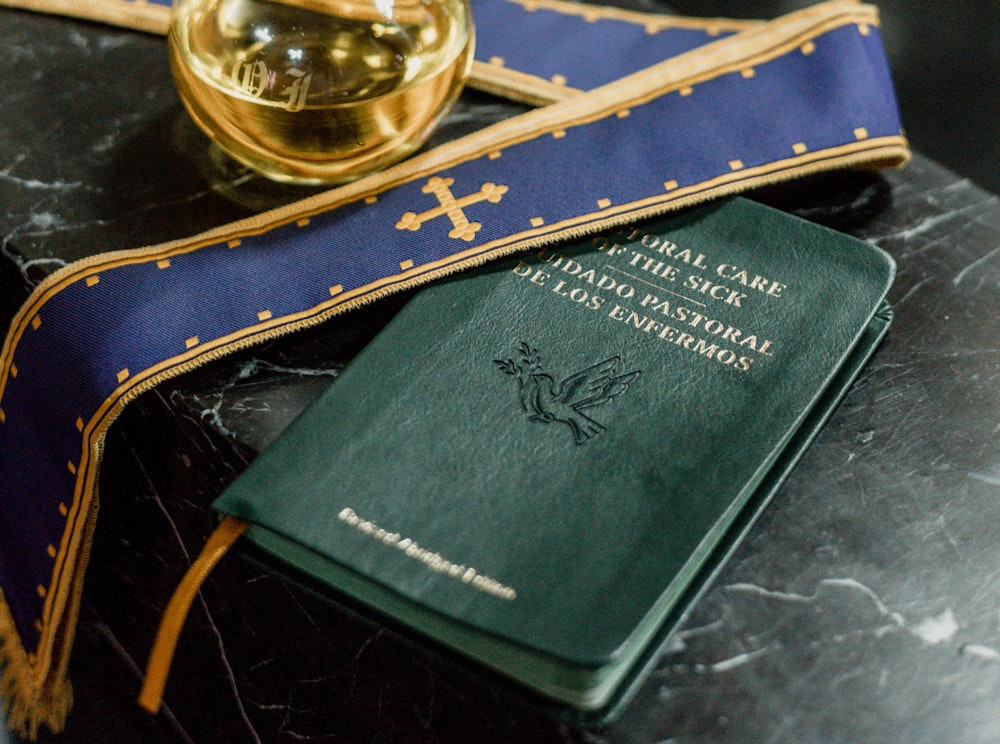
462 229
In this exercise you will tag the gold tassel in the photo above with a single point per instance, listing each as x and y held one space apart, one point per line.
160 658
28 703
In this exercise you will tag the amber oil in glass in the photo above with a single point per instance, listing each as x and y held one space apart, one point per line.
319 91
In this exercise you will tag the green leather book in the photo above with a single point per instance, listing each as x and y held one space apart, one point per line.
539 464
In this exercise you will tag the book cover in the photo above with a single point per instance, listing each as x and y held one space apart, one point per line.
539 463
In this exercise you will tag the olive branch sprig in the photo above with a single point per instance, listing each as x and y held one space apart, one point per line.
529 362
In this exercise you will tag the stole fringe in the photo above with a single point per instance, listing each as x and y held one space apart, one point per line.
27 702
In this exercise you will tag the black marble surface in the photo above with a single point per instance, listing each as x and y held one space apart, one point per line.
864 606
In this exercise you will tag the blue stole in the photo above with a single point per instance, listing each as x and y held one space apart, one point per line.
637 114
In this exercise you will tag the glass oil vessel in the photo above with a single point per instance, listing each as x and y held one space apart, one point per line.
319 91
